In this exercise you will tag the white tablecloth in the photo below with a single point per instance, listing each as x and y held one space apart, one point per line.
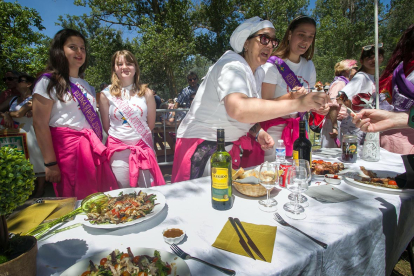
364 236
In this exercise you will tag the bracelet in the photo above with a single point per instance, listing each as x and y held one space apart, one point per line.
50 164
335 128
257 134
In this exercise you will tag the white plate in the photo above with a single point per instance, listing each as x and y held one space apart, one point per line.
178 266
379 189
160 201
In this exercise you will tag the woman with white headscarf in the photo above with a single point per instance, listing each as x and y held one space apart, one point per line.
230 98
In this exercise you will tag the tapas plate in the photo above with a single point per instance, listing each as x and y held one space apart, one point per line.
159 201
178 266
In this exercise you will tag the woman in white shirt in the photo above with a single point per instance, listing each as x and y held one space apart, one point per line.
67 127
128 113
230 98
296 50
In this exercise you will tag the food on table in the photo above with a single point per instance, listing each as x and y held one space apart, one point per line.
236 174
372 179
249 173
123 208
126 264
320 167
173 233
332 176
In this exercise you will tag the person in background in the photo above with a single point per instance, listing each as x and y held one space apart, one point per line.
157 99
10 79
358 93
15 119
229 98
128 115
397 87
374 120
70 142
183 98
170 104
330 137
326 87
295 52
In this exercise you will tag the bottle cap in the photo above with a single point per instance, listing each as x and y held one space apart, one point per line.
280 141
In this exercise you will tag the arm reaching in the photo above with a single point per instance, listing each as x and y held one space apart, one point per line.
374 120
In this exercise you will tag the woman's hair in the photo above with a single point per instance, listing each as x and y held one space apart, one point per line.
404 51
116 86
58 64
369 53
28 78
343 66
283 50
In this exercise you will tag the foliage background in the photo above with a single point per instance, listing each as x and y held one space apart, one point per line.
174 37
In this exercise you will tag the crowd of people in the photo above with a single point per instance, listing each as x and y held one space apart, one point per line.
257 92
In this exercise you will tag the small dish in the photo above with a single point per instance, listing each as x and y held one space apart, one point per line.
174 235
333 179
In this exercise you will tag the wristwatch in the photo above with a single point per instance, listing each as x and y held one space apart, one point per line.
411 117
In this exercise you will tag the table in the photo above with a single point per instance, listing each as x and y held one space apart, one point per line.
365 236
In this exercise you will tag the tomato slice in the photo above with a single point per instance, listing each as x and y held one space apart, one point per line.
135 260
103 261
86 273
169 269
125 255
392 182
155 260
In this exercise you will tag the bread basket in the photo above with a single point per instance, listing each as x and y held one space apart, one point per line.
253 190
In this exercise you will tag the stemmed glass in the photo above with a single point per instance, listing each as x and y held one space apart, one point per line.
297 182
269 178
303 200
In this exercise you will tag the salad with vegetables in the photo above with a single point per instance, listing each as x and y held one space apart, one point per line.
123 208
126 264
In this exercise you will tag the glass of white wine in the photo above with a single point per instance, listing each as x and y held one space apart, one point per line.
269 178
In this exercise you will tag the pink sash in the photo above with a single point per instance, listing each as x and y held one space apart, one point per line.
82 161
134 120
290 132
142 157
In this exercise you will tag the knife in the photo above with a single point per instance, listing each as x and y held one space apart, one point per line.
249 240
241 241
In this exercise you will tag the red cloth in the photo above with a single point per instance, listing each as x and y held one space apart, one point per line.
253 155
290 132
82 161
141 157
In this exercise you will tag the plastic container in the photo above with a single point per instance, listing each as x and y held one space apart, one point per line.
280 152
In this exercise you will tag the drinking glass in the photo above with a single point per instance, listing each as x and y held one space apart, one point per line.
296 183
269 177
303 200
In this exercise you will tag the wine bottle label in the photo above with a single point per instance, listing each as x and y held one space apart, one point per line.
295 154
220 184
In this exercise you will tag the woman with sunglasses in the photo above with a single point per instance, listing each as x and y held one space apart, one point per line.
295 52
16 120
358 93
229 98
397 86
10 79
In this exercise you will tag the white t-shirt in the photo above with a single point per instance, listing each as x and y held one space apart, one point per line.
304 71
14 106
119 126
67 113
230 74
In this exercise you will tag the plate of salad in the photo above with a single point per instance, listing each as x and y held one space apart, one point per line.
130 262
125 207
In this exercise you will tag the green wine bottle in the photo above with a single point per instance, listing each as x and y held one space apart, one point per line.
221 181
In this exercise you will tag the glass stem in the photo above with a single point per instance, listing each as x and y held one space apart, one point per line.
267 200
297 202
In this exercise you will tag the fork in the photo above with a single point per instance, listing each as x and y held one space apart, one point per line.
186 256
279 219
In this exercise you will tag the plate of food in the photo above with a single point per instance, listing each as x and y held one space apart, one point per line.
320 168
137 261
125 207
376 180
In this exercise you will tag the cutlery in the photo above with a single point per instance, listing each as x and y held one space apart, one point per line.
186 256
249 240
279 219
241 240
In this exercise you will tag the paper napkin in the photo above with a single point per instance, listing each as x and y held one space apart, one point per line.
263 237
328 194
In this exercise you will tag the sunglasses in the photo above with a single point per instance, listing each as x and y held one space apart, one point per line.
265 39
21 80
192 79
9 78
369 47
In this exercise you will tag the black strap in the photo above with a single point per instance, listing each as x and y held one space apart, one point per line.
13 100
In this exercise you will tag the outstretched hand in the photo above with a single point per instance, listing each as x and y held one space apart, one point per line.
314 100
265 140
374 120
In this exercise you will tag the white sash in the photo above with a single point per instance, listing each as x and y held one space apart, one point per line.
134 120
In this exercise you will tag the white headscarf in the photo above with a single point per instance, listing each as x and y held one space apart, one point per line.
247 28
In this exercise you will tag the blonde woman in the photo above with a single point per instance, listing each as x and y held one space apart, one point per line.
331 128
128 114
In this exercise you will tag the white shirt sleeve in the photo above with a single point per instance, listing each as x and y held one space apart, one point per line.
312 80
232 79
271 73
354 86
41 89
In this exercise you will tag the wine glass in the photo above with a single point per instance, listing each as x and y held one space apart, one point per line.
297 181
303 200
269 177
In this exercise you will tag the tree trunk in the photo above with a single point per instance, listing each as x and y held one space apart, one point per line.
4 233
171 81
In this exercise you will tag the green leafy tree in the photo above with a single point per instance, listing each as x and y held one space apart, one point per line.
22 48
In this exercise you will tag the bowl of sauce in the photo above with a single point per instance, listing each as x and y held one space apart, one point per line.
173 235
